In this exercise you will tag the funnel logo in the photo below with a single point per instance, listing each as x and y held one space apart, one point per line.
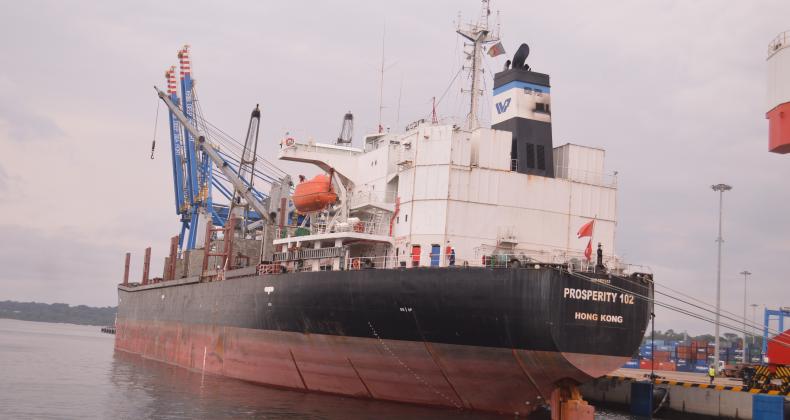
502 106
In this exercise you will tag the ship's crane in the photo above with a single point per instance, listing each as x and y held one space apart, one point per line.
243 188
247 162
182 197
347 131
198 190
196 175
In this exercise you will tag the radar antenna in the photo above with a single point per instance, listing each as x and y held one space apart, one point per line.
479 35
347 132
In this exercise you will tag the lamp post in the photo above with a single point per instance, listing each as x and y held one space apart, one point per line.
754 314
720 188
745 274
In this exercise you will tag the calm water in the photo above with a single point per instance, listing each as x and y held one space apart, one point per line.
62 371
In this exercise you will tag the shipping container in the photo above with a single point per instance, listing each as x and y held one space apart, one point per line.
632 364
685 368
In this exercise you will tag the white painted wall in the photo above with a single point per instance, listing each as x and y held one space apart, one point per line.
458 190
778 78
522 104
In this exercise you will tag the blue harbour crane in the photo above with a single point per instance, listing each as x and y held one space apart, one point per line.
206 159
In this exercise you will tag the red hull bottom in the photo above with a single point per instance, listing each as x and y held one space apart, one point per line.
480 378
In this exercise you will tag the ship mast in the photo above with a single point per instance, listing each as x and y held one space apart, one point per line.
479 35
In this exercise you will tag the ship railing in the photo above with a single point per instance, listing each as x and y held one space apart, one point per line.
309 254
360 198
575 260
300 262
372 262
497 260
291 231
315 147
364 226
358 226
602 179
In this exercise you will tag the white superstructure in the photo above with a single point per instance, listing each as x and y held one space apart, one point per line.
441 195
443 187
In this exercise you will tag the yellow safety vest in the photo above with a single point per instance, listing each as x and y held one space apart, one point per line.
711 372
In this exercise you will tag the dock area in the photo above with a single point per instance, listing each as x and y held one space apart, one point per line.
689 392
676 377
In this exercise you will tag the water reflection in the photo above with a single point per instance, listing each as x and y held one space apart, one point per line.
151 389
61 371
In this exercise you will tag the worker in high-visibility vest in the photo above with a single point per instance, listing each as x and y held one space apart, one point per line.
711 373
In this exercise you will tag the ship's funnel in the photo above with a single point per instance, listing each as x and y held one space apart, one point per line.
520 57
522 105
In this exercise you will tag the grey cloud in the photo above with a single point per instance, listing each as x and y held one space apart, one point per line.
3 180
22 124
57 265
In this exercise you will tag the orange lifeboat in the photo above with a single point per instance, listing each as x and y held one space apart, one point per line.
315 194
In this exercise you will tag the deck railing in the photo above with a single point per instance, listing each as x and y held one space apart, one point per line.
602 179
495 260
319 228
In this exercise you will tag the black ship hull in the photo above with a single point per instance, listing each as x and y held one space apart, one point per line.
491 339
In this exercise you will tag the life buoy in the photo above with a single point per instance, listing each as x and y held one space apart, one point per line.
290 141
355 264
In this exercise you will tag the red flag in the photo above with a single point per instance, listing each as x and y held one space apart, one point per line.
586 229
496 49
588 250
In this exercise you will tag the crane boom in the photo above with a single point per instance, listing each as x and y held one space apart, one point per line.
240 186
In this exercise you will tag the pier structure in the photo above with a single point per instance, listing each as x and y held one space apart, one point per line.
689 393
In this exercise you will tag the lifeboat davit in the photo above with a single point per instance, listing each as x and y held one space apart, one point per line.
315 194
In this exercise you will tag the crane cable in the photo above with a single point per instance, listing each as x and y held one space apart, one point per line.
156 123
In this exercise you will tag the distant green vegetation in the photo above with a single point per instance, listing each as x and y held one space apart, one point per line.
58 312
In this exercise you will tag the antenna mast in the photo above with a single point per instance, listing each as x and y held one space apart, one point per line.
381 80
479 35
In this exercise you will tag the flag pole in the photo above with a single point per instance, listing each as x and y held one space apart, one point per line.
592 235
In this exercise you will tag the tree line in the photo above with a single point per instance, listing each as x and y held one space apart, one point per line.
58 312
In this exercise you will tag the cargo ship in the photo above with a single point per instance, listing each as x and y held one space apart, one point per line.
450 265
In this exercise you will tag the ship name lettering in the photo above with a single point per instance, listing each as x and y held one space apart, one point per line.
627 298
589 316
585 316
593 295
616 319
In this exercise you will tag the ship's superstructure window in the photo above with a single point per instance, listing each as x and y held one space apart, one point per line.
514 154
528 90
530 156
541 107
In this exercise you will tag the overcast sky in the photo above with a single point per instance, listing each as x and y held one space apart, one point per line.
673 90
